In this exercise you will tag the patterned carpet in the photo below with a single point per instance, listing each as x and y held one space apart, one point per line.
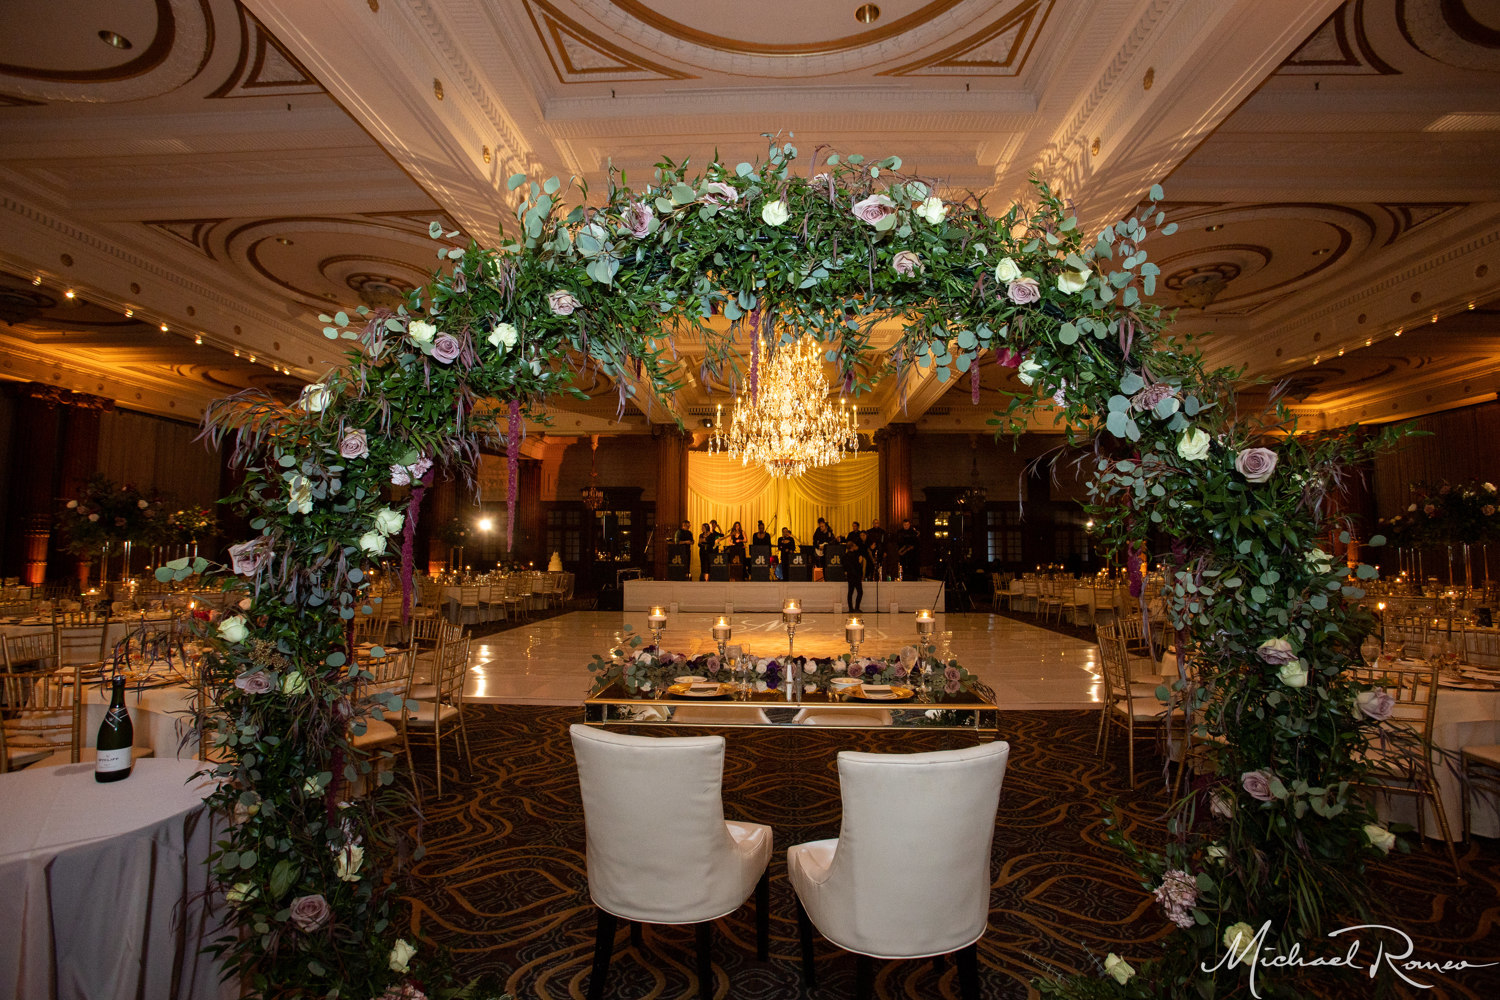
503 883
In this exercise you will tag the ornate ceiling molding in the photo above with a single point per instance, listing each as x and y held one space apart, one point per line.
1406 218
1339 46
1001 49
192 232
264 67
578 55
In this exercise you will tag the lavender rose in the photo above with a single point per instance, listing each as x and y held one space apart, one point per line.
249 558
1255 464
400 475
873 208
1178 894
906 263
1377 704
309 912
562 303
637 218
719 193
1149 397
1276 651
446 348
1023 291
1257 784
254 682
355 445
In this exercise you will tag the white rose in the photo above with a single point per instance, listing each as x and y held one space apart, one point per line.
421 332
241 892
1118 967
1380 837
315 398
400 955
388 522
1320 561
1073 282
774 213
1193 445
233 629
311 787
372 543
1240 940
932 210
1028 372
504 336
1006 271
1293 674
294 683
349 860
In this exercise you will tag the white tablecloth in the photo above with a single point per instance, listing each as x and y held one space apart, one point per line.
1462 718
101 885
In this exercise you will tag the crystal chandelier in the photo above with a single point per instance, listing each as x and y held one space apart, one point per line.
784 421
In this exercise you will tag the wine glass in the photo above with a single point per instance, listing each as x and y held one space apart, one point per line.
1369 650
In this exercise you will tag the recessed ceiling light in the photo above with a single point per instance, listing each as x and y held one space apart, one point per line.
198 339
1321 251
69 294
37 280
164 328
129 313
1213 228
1400 330
283 241
252 359
867 13
114 38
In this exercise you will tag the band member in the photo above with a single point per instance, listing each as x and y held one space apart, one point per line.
706 542
853 559
684 533
822 535
875 546
737 535
761 536
857 536
785 546
907 540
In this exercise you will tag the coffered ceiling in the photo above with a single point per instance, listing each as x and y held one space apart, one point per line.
238 169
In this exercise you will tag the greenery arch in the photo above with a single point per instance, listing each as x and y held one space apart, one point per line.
1236 503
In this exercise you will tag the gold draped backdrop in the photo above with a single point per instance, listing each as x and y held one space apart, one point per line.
721 488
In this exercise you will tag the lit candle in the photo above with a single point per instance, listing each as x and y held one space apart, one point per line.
924 621
658 615
722 631
854 631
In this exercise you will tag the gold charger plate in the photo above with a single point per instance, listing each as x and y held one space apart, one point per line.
896 693
699 690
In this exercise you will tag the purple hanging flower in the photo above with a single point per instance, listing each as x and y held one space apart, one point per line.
513 472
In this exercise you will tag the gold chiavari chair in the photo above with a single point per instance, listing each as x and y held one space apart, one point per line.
43 715
434 720
78 643
1128 705
36 651
1399 757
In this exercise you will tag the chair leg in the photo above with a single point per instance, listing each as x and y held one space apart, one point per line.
635 935
604 946
705 960
864 977
763 915
1442 818
804 933
968 972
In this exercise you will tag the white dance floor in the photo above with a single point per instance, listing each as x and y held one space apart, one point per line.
546 663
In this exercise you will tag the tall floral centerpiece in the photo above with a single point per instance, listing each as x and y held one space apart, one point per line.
1452 518
106 519
335 482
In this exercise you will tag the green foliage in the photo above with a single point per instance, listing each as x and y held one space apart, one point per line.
828 251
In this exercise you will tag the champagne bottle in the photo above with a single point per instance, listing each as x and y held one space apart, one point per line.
113 758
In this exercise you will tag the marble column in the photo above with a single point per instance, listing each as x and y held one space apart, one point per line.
671 490
894 445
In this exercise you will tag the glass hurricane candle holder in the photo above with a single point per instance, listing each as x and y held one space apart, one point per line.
854 634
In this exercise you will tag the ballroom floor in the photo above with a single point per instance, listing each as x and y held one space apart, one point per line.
545 663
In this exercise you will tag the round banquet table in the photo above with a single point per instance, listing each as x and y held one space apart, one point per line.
102 886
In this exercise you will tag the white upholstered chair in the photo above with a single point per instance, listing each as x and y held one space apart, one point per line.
909 875
659 850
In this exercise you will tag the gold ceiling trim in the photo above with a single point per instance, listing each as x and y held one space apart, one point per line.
1026 20
248 76
552 26
680 31
153 54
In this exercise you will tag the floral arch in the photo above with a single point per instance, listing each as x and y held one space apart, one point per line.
1232 504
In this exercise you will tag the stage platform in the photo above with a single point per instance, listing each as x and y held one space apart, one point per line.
820 597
